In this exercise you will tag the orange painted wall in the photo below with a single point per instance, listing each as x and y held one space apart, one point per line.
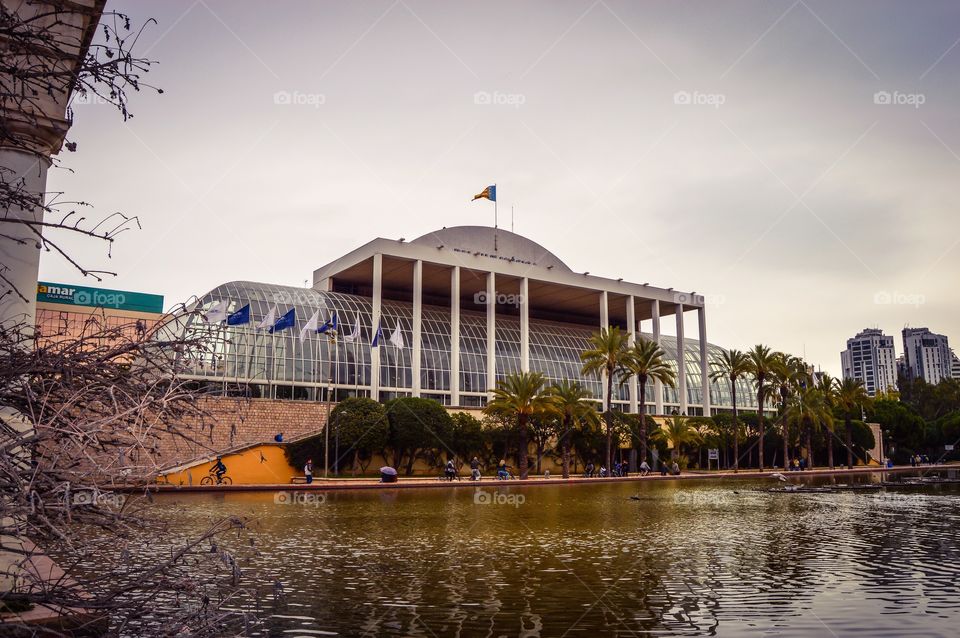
258 465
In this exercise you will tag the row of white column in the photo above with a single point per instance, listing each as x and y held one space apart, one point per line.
491 295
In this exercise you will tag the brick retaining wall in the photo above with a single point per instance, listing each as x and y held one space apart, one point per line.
236 422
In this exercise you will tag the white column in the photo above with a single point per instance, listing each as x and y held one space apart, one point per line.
491 333
657 385
525 325
632 339
604 324
375 319
681 362
417 326
704 363
455 336
21 261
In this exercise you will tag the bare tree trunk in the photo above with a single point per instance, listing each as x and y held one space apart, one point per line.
736 428
809 447
785 429
609 420
848 426
565 446
829 437
643 420
522 445
760 427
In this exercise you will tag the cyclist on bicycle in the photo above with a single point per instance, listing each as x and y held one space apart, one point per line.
502 472
219 469
450 471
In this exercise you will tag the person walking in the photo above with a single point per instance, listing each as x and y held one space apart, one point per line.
308 471
475 469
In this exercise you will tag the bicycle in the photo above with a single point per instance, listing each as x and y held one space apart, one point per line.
213 479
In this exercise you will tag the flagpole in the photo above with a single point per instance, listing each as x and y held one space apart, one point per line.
495 218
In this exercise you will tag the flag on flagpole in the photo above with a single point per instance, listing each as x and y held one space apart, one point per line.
286 321
353 336
311 326
377 336
329 325
270 319
239 317
217 312
490 192
397 337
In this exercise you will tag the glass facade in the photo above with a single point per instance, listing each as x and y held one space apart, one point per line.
248 360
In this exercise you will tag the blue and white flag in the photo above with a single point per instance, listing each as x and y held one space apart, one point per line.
239 317
269 320
353 336
330 325
397 337
311 326
286 321
377 336
217 312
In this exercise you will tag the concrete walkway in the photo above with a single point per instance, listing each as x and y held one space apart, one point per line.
368 483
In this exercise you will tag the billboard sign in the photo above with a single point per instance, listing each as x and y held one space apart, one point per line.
98 297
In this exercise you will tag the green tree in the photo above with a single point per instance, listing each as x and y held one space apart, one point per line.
677 432
466 437
647 361
517 398
419 428
360 426
732 365
807 409
851 399
789 374
827 386
607 358
571 401
763 363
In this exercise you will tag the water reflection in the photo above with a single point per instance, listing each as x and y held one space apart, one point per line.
690 557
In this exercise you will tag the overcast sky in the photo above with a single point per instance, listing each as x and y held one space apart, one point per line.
737 149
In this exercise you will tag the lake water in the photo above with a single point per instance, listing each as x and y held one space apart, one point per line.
692 557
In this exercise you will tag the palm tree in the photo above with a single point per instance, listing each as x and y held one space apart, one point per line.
762 364
520 396
850 395
647 361
571 402
807 409
732 365
790 374
827 387
608 355
677 432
